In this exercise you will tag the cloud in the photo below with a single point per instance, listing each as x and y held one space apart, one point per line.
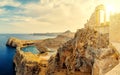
2 11
13 9
8 7
27 1
46 15
9 2
54 9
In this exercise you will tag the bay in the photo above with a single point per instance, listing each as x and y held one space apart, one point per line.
7 53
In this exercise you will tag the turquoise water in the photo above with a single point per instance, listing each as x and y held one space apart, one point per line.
7 53
32 49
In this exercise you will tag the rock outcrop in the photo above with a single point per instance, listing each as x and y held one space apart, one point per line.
27 63
56 42
88 53
14 42
44 43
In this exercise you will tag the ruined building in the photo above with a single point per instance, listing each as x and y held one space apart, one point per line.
98 20
115 27
103 22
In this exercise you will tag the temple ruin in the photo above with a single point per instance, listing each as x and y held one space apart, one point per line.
98 20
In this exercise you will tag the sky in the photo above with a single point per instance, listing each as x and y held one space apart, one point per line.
41 16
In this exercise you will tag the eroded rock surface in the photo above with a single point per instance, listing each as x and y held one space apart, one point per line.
43 44
89 52
14 42
27 63
56 42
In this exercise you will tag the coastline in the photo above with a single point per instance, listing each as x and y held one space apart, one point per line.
45 63
37 62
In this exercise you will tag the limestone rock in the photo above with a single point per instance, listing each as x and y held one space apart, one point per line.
42 49
56 42
27 63
88 52
14 42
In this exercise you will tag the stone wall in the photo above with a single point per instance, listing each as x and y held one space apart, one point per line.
115 28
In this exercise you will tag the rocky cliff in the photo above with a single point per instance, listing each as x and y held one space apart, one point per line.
44 43
15 42
27 63
88 53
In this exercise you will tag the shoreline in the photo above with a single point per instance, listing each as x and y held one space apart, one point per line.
29 60
28 63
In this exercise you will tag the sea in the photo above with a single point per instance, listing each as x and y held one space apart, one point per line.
7 53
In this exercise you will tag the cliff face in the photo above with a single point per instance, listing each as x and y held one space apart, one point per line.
89 52
13 42
27 63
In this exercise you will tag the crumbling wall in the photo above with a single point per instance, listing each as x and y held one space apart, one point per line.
115 28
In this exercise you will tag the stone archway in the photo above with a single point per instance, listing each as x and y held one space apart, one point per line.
100 13
98 21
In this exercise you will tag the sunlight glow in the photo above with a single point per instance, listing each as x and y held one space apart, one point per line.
109 10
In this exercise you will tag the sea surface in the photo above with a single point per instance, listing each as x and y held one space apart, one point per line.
7 53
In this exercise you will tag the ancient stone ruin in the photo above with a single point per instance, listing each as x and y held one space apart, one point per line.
115 27
99 20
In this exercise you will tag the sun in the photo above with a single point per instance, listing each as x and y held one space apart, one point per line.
109 11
